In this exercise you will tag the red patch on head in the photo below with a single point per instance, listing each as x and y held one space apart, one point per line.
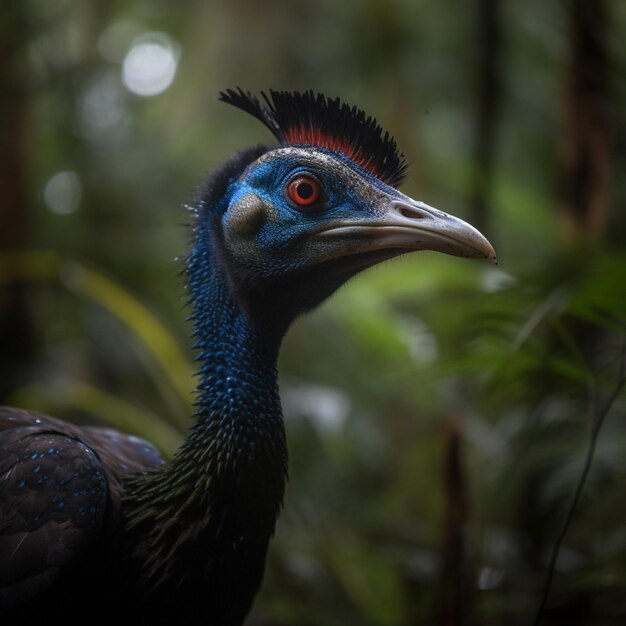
303 136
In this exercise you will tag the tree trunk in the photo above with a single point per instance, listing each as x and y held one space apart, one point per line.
454 605
16 337
488 98
585 139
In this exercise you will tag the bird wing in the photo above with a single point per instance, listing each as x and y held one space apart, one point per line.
53 495
121 455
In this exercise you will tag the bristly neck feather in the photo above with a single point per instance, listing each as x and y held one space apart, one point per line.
208 515
239 417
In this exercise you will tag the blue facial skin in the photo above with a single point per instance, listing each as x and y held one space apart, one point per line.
350 192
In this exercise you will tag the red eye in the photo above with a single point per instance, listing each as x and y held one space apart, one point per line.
304 191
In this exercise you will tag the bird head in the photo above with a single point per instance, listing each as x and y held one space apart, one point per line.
295 221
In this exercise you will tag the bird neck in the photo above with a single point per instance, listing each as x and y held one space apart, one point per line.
239 415
221 493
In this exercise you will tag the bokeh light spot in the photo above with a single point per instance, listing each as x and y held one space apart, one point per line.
150 65
63 192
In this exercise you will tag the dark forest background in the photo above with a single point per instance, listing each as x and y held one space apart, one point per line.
440 412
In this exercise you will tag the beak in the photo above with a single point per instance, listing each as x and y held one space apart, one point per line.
406 225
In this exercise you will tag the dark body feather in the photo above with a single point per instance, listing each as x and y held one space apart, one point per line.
60 505
94 526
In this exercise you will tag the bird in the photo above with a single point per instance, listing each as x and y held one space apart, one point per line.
95 524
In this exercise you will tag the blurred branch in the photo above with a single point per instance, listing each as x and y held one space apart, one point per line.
598 421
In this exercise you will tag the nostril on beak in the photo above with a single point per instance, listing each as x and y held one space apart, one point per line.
412 213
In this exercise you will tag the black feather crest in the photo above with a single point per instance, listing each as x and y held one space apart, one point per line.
304 118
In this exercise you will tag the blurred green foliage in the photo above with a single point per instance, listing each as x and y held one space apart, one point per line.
517 358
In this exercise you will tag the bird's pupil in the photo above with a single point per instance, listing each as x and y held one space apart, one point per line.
305 190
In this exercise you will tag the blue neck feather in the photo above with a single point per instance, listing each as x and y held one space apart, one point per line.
207 516
238 406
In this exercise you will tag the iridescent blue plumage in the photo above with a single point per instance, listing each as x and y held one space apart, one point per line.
275 231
